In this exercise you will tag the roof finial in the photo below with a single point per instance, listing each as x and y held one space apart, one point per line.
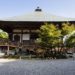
38 9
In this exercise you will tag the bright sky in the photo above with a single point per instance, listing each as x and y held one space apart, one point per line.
9 8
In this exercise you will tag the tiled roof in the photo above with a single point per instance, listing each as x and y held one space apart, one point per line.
39 16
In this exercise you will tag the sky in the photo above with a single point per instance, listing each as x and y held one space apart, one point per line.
10 8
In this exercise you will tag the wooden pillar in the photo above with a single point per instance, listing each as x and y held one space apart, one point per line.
8 48
21 38
30 35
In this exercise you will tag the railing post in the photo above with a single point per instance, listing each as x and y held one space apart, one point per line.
7 49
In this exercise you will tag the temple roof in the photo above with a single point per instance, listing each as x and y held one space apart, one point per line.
38 15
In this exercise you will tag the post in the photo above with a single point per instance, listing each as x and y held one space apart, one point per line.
7 49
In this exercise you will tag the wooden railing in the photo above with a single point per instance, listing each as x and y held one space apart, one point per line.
25 44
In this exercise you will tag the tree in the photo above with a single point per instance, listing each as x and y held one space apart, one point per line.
70 41
3 34
3 37
67 28
49 36
68 32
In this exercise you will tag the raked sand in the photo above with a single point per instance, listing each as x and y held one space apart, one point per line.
37 67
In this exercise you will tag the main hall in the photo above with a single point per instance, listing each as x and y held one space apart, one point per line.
23 30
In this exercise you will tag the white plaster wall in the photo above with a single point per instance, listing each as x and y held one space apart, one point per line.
26 37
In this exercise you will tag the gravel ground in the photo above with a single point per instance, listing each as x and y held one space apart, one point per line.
38 67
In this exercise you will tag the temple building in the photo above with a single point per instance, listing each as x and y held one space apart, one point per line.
24 29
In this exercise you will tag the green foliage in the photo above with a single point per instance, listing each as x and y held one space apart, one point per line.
49 35
67 28
70 42
3 34
51 39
